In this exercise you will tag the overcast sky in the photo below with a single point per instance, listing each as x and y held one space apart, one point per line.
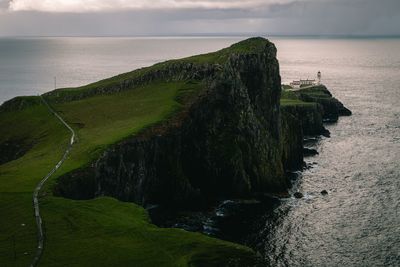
187 17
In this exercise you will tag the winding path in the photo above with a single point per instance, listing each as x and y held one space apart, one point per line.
38 218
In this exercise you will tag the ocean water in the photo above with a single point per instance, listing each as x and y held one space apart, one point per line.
358 222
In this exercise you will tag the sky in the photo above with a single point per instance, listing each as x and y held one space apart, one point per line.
198 17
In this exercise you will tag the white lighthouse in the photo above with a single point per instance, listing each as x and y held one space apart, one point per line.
319 77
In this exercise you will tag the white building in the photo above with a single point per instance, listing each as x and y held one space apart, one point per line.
301 83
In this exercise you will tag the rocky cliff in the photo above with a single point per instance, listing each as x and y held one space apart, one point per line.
230 139
331 107
303 113
310 117
291 142
225 143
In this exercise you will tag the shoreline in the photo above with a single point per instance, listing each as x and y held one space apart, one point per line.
222 218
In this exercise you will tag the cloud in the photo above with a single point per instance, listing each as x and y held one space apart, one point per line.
81 6
181 17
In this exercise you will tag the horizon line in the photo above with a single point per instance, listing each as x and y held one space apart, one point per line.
355 36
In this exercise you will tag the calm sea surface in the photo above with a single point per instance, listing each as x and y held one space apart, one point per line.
358 223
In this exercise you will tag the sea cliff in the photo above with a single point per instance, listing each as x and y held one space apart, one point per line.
225 142
235 137
184 133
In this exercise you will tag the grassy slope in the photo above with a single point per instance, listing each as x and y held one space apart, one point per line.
318 91
289 98
252 45
106 119
19 177
99 232
103 231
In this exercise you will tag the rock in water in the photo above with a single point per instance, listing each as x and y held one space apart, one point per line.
298 195
324 192
309 152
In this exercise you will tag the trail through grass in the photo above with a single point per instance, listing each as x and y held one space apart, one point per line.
100 232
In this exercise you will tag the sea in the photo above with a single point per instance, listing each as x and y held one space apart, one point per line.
358 222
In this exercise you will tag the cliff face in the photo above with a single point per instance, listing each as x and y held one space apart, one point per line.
310 117
226 144
292 135
331 107
231 139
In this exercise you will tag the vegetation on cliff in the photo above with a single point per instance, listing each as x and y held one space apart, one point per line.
111 231
178 131
313 105
104 231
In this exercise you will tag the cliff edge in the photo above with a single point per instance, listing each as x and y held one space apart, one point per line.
234 134
224 142
183 133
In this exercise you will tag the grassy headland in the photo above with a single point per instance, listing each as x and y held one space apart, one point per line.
100 232
290 98
104 231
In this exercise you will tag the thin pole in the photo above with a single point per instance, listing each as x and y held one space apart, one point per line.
55 82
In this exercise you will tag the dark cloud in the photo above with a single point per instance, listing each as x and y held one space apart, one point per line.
302 17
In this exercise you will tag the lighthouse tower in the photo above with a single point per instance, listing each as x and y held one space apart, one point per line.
319 77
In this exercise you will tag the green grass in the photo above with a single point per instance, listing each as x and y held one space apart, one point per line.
249 46
103 120
287 94
292 102
18 178
291 98
318 91
34 125
286 87
18 229
100 232
105 232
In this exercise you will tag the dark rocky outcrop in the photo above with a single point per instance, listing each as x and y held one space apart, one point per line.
226 144
309 152
298 195
310 117
332 108
291 132
79 184
230 140
13 149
